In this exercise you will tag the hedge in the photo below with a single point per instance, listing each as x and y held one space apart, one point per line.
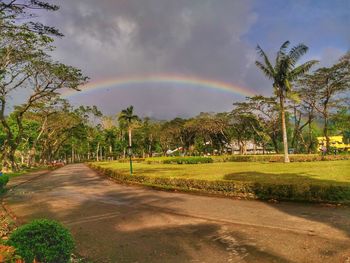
279 158
241 158
249 190
136 160
188 160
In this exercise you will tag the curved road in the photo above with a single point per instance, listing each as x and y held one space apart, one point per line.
119 223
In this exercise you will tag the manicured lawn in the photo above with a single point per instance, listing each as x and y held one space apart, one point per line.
322 172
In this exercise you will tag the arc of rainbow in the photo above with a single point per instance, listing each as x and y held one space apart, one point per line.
160 79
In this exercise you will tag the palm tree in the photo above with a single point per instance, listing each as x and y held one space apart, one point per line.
128 116
283 73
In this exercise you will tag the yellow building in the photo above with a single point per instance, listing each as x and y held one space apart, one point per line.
335 142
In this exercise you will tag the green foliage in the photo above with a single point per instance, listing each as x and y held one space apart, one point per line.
128 115
43 240
3 181
187 160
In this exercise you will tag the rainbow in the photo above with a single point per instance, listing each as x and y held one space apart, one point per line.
179 80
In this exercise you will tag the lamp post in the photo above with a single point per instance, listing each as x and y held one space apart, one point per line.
130 159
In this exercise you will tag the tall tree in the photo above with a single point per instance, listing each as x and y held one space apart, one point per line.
129 116
266 113
20 13
42 79
331 83
308 91
283 73
26 67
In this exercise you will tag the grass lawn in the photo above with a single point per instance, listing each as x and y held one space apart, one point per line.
322 172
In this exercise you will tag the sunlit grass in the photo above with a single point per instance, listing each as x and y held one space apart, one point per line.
334 172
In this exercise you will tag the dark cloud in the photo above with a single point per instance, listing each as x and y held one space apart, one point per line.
205 38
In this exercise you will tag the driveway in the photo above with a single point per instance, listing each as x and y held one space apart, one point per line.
119 223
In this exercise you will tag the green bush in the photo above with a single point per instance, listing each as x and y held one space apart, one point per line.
188 160
44 240
296 192
3 181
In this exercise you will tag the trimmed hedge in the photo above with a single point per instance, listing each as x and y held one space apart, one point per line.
250 190
188 160
136 160
242 158
43 240
280 158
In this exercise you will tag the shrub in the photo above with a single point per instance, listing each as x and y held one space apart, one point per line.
188 160
44 240
3 181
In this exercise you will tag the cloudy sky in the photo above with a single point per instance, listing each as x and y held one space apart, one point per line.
209 39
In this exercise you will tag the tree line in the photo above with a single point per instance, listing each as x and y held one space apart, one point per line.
43 127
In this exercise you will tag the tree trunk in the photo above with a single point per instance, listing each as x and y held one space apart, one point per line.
310 146
72 159
284 131
325 132
97 151
263 148
88 153
150 150
129 137
130 153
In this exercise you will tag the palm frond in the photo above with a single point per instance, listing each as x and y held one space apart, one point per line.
135 117
287 86
128 115
296 52
302 69
284 47
281 54
266 59
264 69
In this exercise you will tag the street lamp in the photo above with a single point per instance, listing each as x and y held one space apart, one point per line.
130 159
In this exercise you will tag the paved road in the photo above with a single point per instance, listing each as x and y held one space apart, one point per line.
118 223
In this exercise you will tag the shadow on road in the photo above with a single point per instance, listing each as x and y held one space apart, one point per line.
330 214
115 223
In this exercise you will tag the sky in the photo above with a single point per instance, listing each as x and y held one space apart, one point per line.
207 39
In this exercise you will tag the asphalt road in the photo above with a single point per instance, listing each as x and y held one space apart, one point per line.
119 223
